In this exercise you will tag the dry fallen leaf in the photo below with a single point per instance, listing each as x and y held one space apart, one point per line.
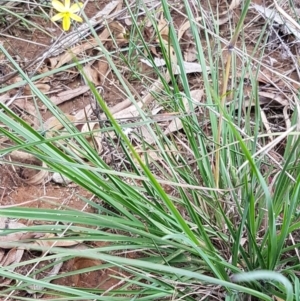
118 30
13 256
7 240
92 74
287 118
84 113
4 98
42 87
190 54
102 68
163 29
36 177
48 240
154 155
176 124
53 124
58 61
266 124
2 255
188 66
25 105
276 97
30 115
69 94
33 176
234 4
93 135
288 24
24 157
60 179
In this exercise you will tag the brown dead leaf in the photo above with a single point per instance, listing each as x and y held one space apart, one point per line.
23 157
220 20
7 240
52 124
35 177
146 136
92 74
58 61
151 155
189 67
91 279
184 27
25 105
266 124
94 136
276 97
45 243
125 108
176 124
281 17
287 118
17 79
42 87
4 98
53 61
234 4
128 112
69 94
163 29
190 54
128 21
117 29
86 112
154 155
33 288
13 256
268 77
102 68
2 254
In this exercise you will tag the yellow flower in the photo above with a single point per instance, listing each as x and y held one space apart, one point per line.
66 12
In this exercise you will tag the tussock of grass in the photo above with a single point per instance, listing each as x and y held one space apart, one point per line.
214 218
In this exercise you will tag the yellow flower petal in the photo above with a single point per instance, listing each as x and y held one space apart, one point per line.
57 17
76 7
66 12
66 23
58 6
75 17
67 5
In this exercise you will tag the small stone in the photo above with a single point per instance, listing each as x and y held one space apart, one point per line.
60 179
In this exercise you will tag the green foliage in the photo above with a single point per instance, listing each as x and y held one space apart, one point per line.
200 238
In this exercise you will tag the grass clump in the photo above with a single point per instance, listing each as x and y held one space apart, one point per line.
212 215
